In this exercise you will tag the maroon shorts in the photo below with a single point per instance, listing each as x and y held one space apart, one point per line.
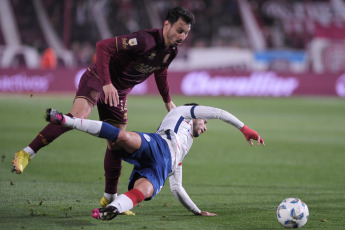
91 89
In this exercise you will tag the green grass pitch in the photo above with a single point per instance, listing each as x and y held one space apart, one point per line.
304 157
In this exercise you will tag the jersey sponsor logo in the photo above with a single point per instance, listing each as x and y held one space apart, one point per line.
152 56
147 137
142 68
124 43
132 42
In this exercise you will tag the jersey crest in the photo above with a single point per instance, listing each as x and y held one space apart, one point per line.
132 42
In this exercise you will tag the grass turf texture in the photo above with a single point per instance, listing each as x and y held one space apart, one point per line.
303 157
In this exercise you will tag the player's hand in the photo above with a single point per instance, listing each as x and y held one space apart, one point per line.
251 134
204 213
170 106
111 95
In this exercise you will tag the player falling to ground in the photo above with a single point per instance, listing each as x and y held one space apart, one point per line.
122 62
155 156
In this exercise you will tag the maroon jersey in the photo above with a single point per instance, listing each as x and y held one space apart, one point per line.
128 60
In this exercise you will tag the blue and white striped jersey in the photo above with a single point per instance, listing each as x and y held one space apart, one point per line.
177 127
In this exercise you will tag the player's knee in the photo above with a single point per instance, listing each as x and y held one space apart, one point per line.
113 146
81 108
123 138
82 113
148 192
145 187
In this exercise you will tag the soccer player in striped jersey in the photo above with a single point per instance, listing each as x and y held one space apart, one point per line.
156 156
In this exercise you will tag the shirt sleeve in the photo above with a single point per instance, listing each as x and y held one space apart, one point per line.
163 85
104 49
180 193
206 112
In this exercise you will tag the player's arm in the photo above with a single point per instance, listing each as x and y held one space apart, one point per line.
170 105
163 88
104 50
180 193
206 112
114 47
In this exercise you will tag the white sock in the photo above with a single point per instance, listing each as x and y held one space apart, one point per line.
30 151
89 126
122 203
109 196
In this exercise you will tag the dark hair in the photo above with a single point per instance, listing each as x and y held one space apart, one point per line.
187 104
180 12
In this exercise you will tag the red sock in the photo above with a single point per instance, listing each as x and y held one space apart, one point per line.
135 195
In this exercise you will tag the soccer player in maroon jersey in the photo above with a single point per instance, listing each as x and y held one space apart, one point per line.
121 63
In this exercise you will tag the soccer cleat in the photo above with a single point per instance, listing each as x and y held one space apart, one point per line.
20 161
128 213
55 117
104 202
107 213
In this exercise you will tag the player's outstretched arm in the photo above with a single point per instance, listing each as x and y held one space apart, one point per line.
250 134
206 112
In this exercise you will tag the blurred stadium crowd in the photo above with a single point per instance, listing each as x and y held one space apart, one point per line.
282 35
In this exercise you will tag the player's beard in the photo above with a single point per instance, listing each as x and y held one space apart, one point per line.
172 40
178 42
196 133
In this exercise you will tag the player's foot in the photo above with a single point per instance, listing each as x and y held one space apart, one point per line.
128 213
104 202
55 117
107 213
20 161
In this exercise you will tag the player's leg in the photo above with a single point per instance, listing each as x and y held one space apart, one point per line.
81 108
152 163
129 141
112 169
152 166
143 189
116 116
119 139
86 98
